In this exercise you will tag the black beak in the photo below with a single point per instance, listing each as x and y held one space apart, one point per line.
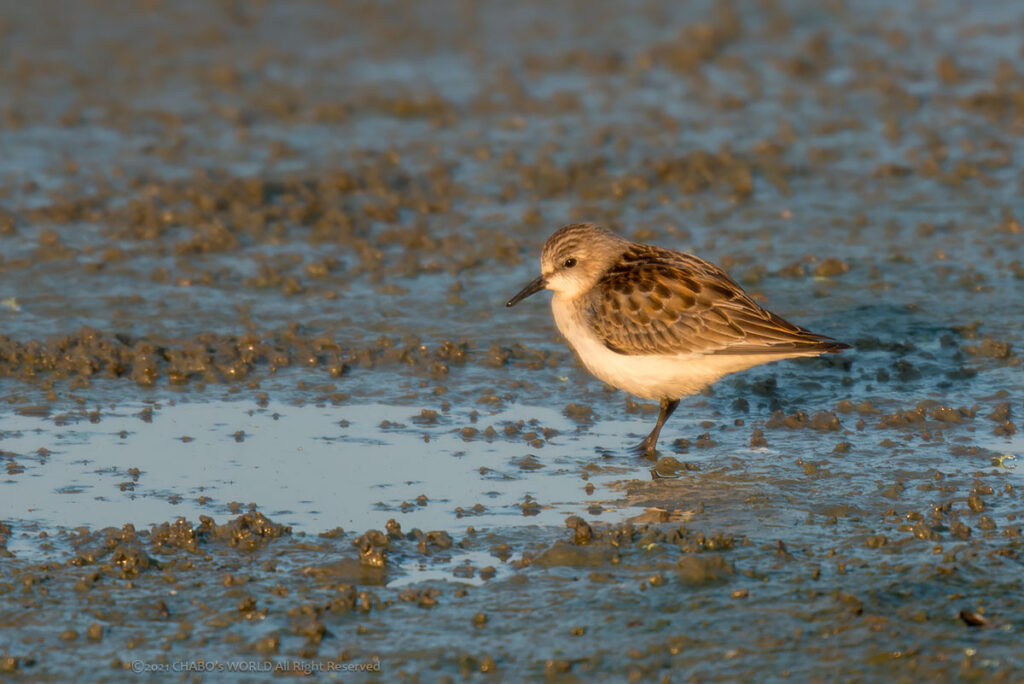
535 286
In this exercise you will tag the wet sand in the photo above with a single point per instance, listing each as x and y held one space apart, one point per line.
264 413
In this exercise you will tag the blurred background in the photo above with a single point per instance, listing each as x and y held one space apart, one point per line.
363 184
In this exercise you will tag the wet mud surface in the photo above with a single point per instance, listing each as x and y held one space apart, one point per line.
263 413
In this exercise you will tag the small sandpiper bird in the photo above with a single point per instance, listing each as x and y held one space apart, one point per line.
657 323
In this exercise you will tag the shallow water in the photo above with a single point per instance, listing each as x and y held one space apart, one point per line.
314 468
253 261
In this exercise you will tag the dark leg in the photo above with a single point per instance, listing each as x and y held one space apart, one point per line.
648 446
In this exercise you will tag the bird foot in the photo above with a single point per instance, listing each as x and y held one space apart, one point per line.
646 449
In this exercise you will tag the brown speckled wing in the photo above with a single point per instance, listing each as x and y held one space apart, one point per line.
657 301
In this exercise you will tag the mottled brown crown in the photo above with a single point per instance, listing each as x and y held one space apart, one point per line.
587 240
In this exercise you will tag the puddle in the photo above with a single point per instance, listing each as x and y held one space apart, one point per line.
313 468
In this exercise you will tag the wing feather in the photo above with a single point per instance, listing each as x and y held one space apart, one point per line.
660 302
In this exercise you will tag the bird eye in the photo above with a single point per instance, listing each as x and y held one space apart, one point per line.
569 263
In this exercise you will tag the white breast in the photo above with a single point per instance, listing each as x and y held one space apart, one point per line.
646 376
